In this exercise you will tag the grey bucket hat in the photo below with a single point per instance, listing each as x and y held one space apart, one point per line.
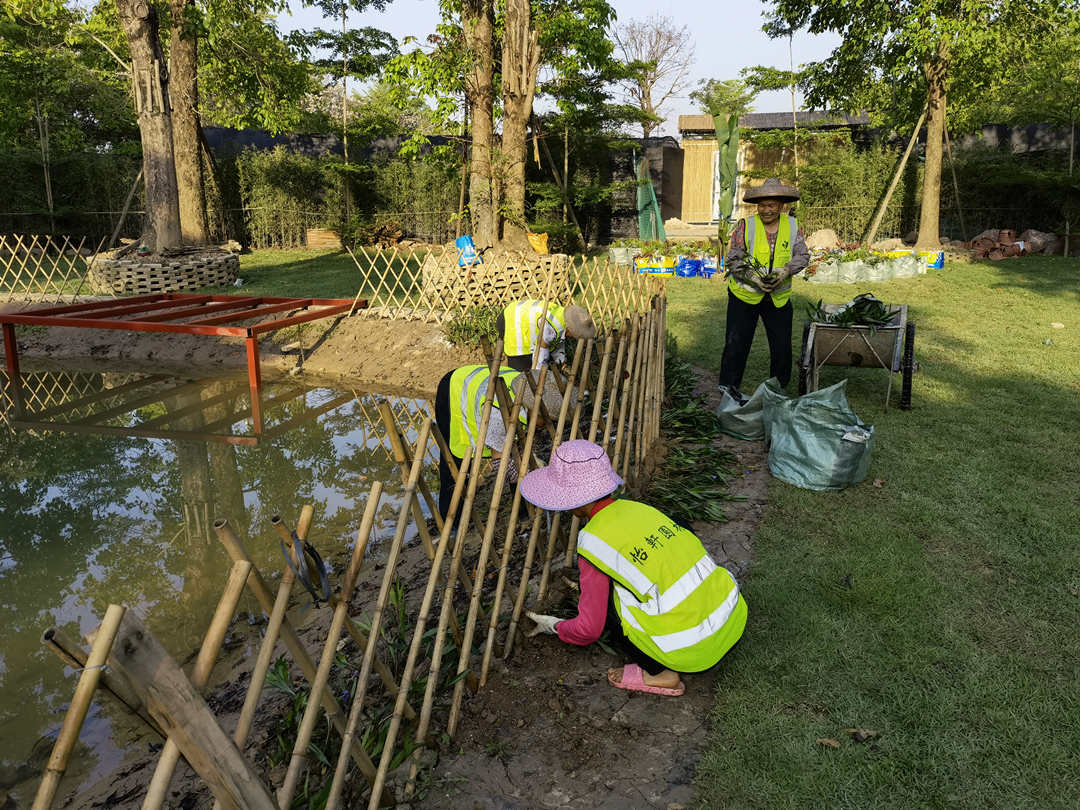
771 189
551 397
579 323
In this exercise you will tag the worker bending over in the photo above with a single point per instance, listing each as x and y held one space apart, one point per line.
459 404
644 578
520 326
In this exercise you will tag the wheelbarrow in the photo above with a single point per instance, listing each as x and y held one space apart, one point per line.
890 347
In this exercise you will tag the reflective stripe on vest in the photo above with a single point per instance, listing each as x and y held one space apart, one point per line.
522 330
674 603
772 257
468 389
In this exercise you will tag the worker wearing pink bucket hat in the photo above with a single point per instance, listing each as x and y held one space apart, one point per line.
645 579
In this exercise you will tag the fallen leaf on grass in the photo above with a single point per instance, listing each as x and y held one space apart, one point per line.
828 741
879 483
861 734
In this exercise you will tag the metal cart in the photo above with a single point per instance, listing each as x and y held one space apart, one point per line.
890 347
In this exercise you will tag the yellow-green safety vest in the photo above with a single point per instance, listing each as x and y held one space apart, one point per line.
523 332
468 389
760 250
675 604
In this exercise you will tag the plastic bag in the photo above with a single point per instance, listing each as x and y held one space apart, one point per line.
906 266
538 242
466 252
687 267
745 421
817 441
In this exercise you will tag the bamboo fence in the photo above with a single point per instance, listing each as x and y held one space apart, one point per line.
43 268
420 651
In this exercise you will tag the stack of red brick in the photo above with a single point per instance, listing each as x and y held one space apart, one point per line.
1004 243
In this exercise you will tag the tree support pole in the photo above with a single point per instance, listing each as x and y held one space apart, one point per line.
875 223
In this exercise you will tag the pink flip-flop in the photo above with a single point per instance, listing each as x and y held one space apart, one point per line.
633 681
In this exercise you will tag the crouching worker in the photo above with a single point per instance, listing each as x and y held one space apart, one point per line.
459 405
644 578
519 324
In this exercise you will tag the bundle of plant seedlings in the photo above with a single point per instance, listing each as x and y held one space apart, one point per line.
863 310
751 271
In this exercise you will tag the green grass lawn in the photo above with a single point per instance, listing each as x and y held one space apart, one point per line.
941 609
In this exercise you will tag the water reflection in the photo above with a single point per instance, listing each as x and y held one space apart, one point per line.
109 483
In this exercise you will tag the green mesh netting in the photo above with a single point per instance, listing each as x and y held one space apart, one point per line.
650 223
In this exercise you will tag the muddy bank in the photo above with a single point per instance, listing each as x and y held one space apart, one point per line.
390 355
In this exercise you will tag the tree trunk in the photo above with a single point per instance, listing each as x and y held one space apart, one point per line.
150 83
520 64
184 95
930 213
478 23
43 141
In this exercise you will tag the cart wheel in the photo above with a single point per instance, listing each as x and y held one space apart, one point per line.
804 366
908 367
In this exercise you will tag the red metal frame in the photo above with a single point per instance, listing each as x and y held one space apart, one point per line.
152 313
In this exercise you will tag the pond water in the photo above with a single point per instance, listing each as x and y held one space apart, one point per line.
108 484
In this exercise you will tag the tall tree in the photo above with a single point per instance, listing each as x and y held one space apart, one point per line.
520 66
724 97
897 59
183 69
478 26
665 52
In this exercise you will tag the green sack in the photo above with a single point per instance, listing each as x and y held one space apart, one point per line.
746 421
817 441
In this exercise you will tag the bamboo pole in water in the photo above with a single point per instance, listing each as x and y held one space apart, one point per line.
478 587
292 641
360 688
511 532
326 663
433 580
80 705
74 655
200 676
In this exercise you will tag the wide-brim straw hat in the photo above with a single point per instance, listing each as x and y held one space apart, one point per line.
551 397
579 473
579 323
771 189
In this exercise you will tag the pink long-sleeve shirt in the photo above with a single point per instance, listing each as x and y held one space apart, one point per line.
588 625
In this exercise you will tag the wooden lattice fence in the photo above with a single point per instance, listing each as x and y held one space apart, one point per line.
41 268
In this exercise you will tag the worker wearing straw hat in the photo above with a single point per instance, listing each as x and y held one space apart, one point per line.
520 326
644 578
459 403
774 239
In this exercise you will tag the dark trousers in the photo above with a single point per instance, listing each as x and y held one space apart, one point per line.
614 627
739 334
518 362
442 420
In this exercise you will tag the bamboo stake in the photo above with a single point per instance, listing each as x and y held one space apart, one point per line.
326 663
624 399
200 676
616 378
635 379
543 320
523 583
414 653
555 442
80 705
444 449
511 531
75 655
583 385
642 435
478 587
440 634
292 641
404 461
360 688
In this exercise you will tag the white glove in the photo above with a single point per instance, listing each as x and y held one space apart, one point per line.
544 624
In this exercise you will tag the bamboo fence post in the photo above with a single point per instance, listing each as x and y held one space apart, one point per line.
414 652
555 442
337 625
292 641
404 460
478 587
74 655
80 705
624 399
523 583
200 676
445 610
582 386
444 449
360 688
186 718
635 377
575 522
644 418
505 402
616 379
511 531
